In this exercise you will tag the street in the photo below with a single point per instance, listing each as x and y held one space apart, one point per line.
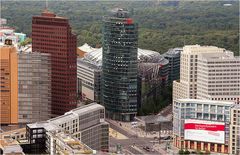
134 144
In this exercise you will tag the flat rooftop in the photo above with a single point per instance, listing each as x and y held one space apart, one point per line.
77 111
74 145
205 101
153 119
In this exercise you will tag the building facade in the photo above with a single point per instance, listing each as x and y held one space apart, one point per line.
9 84
235 130
34 87
218 76
186 86
202 125
119 64
173 56
152 76
62 143
86 123
88 81
52 34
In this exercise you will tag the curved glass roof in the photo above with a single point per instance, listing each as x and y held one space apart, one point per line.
95 56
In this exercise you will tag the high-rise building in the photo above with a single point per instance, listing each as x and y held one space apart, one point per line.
52 34
34 87
186 86
234 147
119 85
9 84
218 76
208 72
173 56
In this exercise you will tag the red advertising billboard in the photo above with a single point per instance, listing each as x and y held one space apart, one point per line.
207 131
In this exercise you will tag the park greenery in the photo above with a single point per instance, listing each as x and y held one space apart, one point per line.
162 25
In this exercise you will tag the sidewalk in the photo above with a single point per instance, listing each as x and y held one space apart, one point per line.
141 133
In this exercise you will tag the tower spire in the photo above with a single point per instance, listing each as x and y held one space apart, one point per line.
46 5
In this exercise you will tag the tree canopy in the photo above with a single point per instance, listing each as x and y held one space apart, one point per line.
162 25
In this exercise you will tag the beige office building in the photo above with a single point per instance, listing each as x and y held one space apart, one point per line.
234 147
218 76
208 72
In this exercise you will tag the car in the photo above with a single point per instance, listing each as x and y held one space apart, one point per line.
146 148
167 138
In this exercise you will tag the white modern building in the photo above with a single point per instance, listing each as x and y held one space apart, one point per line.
86 123
202 125
63 143
88 80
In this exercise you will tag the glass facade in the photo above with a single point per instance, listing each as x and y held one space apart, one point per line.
119 65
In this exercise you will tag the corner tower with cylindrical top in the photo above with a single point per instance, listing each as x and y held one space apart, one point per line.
119 85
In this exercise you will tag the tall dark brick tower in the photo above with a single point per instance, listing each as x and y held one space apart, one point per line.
52 34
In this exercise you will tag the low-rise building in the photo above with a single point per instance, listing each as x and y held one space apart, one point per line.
202 125
86 123
82 50
64 143
9 141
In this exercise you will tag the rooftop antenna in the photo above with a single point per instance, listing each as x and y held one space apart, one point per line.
184 40
46 5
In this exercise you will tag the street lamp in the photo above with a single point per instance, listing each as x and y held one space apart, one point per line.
159 132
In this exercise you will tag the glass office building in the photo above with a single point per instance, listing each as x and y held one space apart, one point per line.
119 66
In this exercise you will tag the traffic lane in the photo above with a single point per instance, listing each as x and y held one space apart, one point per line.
133 150
120 130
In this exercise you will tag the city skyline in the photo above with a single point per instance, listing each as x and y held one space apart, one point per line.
104 84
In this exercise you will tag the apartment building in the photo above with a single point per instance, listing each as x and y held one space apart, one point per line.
9 84
86 123
218 76
202 125
235 130
34 87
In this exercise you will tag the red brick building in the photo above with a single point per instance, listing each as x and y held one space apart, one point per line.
52 34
